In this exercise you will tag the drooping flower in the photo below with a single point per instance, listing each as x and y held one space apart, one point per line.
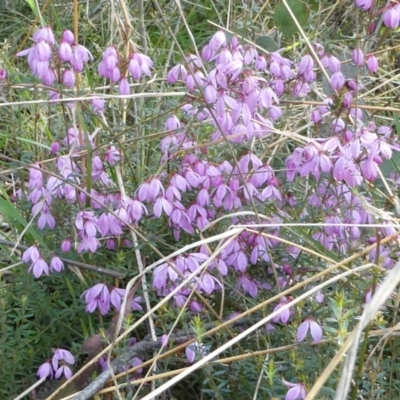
309 325
364 4
97 296
45 370
297 391
193 350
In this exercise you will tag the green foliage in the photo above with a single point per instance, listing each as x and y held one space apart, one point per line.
38 315
284 20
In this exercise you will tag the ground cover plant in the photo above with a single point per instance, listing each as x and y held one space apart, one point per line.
199 200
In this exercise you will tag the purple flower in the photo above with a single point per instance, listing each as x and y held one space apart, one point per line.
164 340
86 221
98 105
3 74
68 78
297 391
284 315
357 57
139 64
55 147
116 297
67 37
124 87
391 17
46 219
63 370
306 64
217 41
56 264
45 370
112 155
194 349
61 354
309 325
97 296
65 52
45 34
337 80
364 4
66 245
39 267
31 254
81 55
372 64
160 275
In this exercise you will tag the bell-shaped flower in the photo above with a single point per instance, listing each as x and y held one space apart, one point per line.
297 391
97 296
45 370
309 325
391 17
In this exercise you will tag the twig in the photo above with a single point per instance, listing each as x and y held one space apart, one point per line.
74 263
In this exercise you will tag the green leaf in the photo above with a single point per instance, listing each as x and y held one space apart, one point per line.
33 7
267 43
15 219
22 139
283 19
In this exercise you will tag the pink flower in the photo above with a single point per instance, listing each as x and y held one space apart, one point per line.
164 340
68 78
45 34
98 105
217 41
45 370
391 17
65 52
66 245
124 87
194 349
97 296
372 64
31 254
64 369
306 64
357 56
309 325
61 354
67 37
284 315
337 80
39 267
112 155
160 275
364 4
297 391
56 264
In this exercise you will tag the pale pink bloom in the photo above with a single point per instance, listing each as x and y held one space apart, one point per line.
45 370
56 264
284 315
193 350
372 64
39 267
358 56
297 391
45 34
364 4
217 41
31 254
391 17
309 325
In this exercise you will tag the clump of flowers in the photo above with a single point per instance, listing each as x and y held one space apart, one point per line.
236 95
57 366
